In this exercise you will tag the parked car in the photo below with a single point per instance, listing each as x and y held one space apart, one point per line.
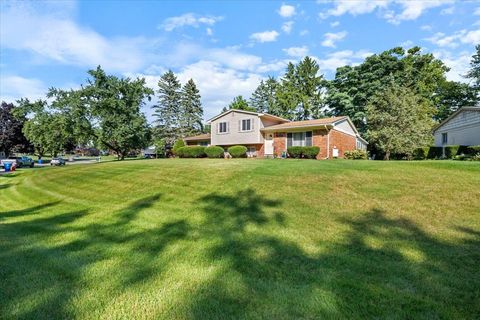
21 161
57 162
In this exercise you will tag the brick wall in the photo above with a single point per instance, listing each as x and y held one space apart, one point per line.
343 142
279 143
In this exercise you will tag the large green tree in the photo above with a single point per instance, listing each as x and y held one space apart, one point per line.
239 103
191 112
451 96
399 119
168 110
474 72
264 98
353 87
107 110
11 135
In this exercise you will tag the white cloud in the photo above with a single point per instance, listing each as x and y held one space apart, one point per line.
407 43
332 38
447 11
287 26
286 11
477 12
459 63
394 11
297 52
303 32
266 36
209 31
440 39
426 27
335 24
274 66
53 36
188 19
341 58
15 87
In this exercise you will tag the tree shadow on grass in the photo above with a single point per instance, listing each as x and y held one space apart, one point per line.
32 266
27 211
382 268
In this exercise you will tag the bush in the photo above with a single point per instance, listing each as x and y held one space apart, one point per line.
214 152
295 152
177 145
435 153
238 151
191 152
451 151
311 152
421 153
469 150
356 155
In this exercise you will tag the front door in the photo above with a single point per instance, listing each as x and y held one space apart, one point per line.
268 144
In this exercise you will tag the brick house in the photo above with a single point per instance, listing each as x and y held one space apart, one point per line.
266 135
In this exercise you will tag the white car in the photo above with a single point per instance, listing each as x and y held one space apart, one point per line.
57 162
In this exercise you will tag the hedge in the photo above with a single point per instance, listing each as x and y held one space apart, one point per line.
214 152
356 155
450 152
303 152
191 152
237 151
177 145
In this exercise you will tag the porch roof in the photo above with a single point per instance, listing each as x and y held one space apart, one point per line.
325 122
200 137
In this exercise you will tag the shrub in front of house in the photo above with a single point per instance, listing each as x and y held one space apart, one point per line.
214 152
295 152
177 145
191 152
420 153
311 152
451 151
238 151
435 153
356 155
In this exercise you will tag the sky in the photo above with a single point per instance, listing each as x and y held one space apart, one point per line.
226 47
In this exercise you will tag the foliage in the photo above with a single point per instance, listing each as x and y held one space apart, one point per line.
159 148
239 103
167 110
474 72
452 96
214 152
107 110
421 153
238 151
11 135
264 98
399 120
353 88
191 112
191 152
177 145
298 152
356 155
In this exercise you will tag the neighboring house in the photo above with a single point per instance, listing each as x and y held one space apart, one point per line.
267 135
461 128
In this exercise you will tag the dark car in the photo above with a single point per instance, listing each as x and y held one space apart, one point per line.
23 161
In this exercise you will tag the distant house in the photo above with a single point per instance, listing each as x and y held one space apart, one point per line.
461 128
267 135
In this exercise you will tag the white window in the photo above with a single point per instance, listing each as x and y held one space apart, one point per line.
300 139
245 125
222 127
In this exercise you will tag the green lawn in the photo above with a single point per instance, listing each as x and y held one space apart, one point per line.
222 239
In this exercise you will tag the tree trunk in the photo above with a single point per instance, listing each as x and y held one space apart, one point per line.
387 156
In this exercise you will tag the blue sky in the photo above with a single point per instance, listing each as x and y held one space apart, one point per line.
227 47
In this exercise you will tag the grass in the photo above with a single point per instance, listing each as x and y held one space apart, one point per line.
246 239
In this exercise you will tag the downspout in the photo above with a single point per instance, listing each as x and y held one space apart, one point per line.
328 143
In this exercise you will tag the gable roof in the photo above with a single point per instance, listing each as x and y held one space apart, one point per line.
453 115
266 115
307 123
203 136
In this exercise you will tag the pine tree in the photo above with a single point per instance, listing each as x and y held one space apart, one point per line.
191 110
264 98
287 94
310 88
239 103
474 72
168 109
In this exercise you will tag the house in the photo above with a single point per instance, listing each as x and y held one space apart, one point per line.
266 135
461 128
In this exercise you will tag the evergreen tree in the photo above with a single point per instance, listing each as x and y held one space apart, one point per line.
287 94
310 87
239 103
167 110
264 98
191 110
474 72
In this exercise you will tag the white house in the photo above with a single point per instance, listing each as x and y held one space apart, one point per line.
461 128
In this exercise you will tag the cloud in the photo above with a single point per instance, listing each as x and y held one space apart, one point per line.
287 26
341 58
477 12
332 38
266 36
335 24
406 44
15 87
286 11
426 27
188 19
304 32
297 52
440 39
54 36
394 11
459 63
447 11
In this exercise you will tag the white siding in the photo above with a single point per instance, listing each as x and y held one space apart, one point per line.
345 127
462 129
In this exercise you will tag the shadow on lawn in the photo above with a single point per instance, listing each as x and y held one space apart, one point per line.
381 267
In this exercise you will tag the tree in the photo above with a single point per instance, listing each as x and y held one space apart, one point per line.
264 98
191 110
451 96
287 94
239 103
474 72
353 87
167 110
400 120
11 135
107 110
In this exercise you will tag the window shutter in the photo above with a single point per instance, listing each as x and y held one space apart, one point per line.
216 128
289 139
308 138
227 125
239 125
251 123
